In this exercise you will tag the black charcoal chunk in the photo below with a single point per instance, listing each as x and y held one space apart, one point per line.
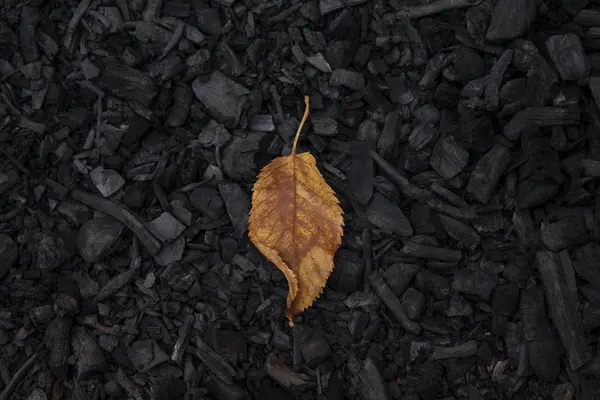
128 83
399 276
361 175
224 99
464 234
376 99
261 123
97 236
563 233
448 158
386 144
90 357
540 116
208 201
166 227
468 64
328 6
319 62
237 204
506 299
413 302
208 18
315 350
241 157
476 283
350 79
487 172
9 253
146 354
324 126
437 285
510 19
429 252
591 168
586 263
532 192
387 216
107 181
182 101
556 270
58 339
347 276
568 56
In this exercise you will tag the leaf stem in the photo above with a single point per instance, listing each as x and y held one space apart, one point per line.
304 118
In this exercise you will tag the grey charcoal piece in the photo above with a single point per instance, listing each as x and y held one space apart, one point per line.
89 355
89 70
448 158
107 181
237 204
97 236
166 227
430 253
464 234
564 233
568 56
540 116
350 79
225 99
128 83
9 253
58 338
172 252
315 350
319 62
387 216
399 276
477 283
510 19
146 354
324 126
182 101
594 85
328 6
261 123
487 172
367 379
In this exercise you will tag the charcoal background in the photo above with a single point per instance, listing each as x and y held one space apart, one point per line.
461 137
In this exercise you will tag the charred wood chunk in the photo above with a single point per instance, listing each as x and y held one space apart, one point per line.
448 158
182 101
237 204
347 276
568 56
564 233
510 19
386 215
58 338
533 192
586 263
557 272
540 116
97 236
506 299
146 354
367 379
362 170
413 302
90 357
294 382
392 302
243 156
399 276
127 83
428 282
477 283
9 253
224 99
459 231
315 350
429 252
487 173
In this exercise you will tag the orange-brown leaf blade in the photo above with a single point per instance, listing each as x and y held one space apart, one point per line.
296 222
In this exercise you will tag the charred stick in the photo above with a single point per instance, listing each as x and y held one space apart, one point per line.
19 375
406 187
182 340
131 388
436 7
74 22
464 350
367 256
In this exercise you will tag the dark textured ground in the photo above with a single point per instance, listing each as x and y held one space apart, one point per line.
462 137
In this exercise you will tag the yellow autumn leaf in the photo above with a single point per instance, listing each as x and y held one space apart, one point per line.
296 222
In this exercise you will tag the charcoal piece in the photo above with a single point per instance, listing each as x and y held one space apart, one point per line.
208 201
399 276
413 302
118 282
591 168
166 227
461 232
179 277
9 253
107 181
90 357
89 70
487 173
387 216
532 193
568 56
145 355
542 348
52 250
8 180
476 283
241 158
430 380
368 131
361 174
341 53
261 123
328 6
468 64
167 388
319 62
525 228
494 80
510 19
421 136
347 275
324 126
463 350
376 99
459 307
127 83
392 302
386 143
171 252
315 350
237 204
422 218
27 32
58 339
563 233
556 270
540 116
97 236
448 158
433 70
182 100
294 382
225 391
366 379
347 78
585 263
208 18
224 99
214 134
42 316
429 253
506 299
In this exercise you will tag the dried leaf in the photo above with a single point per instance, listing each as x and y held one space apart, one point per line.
296 222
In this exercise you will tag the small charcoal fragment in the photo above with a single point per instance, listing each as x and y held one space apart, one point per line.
448 158
208 201
413 302
224 99
97 236
392 302
349 79
315 350
477 283
319 62
237 204
362 170
182 101
90 357
399 276
277 370
324 126
532 193
128 83
166 227
510 19
430 253
347 276
261 123
563 233
568 56
386 215
107 181
459 231
540 116
240 158
9 253
487 172
506 299
367 379
57 336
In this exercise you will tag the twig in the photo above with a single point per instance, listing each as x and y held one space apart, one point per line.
424 10
179 28
123 215
77 15
18 376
